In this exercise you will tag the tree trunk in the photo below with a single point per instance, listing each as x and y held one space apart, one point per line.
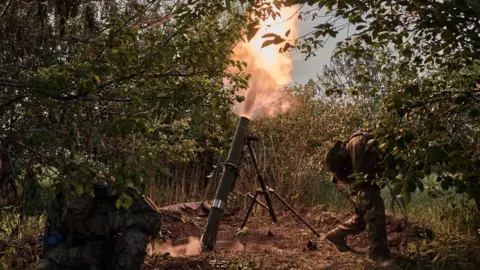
476 197
7 185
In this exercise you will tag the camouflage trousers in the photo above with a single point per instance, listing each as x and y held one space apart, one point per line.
369 215
128 252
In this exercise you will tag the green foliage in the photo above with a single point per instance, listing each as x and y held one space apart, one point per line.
428 128
124 201
19 236
422 58
128 93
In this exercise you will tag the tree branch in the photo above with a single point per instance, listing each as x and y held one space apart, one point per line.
5 8
38 154
117 99
83 96
164 75
107 99
11 83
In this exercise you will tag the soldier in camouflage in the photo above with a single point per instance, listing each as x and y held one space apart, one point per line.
358 157
91 233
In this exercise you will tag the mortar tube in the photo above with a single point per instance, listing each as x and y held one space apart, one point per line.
230 174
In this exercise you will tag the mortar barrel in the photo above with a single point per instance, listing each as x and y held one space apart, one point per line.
230 174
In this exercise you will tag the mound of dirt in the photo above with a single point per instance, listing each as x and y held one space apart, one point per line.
401 233
181 225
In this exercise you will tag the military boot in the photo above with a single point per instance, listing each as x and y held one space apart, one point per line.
337 237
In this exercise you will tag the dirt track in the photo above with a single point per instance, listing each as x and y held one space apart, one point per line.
287 249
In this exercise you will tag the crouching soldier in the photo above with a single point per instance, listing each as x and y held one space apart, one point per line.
91 233
358 156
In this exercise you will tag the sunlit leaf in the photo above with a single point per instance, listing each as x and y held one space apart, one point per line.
267 43
123 201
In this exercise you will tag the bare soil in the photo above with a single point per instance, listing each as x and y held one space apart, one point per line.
292 246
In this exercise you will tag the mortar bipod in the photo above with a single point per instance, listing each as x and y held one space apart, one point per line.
267 192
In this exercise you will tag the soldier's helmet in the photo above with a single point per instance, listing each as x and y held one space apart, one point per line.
336 158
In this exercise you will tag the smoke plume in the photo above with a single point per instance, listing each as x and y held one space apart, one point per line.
270 69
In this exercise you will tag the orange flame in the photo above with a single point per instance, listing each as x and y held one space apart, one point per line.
270 70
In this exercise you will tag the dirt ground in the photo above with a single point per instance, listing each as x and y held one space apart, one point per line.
292 246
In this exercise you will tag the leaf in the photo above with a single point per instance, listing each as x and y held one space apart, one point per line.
413 90
97 79
252 31
412 247
435 154
287 46
79 190
360 27
383 146
419 174
278 40
367 39
240 99
474 113
407 53
287 33
123 201
445 185
214 103
242 233
270 35
406 196
267 43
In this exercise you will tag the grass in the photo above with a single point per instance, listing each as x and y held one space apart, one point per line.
20 244
455 222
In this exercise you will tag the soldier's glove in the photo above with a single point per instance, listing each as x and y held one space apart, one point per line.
92 253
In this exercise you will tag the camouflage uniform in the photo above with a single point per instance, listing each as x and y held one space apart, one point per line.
77 229
357 156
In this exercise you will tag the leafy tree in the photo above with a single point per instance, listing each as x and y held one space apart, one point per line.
357 81
432 129
429 112
112 87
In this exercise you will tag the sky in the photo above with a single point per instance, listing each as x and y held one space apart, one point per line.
306 70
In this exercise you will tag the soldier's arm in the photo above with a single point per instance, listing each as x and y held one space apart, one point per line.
142 214
67 257
54 239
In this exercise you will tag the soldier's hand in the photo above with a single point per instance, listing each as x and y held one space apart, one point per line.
92 253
